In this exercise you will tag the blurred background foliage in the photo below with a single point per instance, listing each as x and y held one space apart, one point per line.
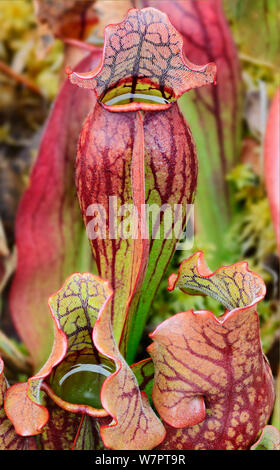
30 76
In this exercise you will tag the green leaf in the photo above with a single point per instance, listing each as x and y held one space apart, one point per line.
233 286
88 437
213 386
74 363
268 440
144 373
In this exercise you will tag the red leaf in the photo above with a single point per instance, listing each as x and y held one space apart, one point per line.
110 163
127 68
9 440
65 430
212 380
22 401
171 175
135 426
213 113
27 417
78 306
142 69
74 309
49 227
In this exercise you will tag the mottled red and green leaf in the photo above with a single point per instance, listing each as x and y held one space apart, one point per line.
213 386
143 68
49 229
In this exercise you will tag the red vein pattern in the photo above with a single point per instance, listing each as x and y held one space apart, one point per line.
109 147
233 286
213 386
144 372
60 430
135 426
207 37
171 176
49 227
88 435
214 113
74 309
81 303
197 356
63 431
144 52
145 45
